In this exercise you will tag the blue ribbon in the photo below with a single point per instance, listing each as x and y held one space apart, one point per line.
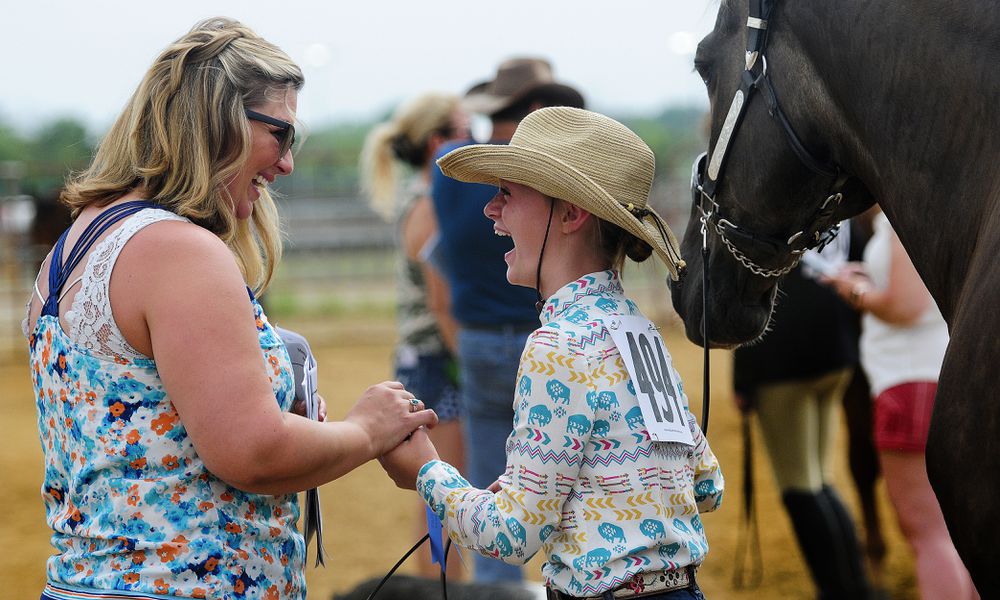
434 530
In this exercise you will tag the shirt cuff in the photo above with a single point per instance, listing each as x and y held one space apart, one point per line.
434 476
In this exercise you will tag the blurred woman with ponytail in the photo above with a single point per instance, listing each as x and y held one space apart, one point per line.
395 168
171 458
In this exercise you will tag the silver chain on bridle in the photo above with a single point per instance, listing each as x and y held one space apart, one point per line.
809 237
743 259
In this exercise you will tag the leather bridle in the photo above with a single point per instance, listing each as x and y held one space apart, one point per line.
707 173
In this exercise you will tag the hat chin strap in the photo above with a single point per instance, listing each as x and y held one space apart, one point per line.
541 253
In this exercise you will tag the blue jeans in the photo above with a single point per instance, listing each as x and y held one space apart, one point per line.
487 362
430 378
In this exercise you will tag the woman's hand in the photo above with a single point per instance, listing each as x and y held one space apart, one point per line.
403 463
851 282
387 413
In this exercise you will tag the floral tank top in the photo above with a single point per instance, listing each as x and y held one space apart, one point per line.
131 505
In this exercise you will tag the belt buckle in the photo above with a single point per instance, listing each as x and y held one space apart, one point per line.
644 584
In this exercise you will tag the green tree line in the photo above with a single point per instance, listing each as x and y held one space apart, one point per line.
326 164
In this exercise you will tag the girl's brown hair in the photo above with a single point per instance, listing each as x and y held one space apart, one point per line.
616 244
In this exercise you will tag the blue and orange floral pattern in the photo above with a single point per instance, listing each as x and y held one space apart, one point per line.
131 505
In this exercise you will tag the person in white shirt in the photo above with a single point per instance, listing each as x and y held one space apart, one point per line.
903 341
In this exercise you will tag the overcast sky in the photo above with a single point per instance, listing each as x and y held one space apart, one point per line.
84 58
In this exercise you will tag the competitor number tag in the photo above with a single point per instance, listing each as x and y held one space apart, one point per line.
648 363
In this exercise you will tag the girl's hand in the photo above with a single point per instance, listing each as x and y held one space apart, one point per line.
403 463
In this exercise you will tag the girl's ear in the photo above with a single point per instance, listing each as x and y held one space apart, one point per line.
572 217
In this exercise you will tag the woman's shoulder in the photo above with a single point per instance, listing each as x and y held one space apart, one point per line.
174 249
172 237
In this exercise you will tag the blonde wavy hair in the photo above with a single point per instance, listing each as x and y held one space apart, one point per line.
404 138
184 134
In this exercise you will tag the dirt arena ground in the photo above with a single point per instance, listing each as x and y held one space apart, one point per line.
369 523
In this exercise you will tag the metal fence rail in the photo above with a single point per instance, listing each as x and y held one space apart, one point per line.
339 260
338 255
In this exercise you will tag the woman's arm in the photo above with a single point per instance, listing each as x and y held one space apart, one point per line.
439 303
900 303
418 228
182 284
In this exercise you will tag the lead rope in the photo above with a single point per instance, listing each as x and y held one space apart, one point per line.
748 539
704 328
399 563
748 576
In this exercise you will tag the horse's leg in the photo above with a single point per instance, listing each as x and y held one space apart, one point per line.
963 450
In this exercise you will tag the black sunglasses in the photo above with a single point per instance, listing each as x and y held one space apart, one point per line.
285 134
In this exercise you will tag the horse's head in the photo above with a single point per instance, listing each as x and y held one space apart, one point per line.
767 189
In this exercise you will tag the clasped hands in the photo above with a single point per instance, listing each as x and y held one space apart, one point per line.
396 425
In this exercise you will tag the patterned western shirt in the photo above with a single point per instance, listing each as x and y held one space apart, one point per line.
584 483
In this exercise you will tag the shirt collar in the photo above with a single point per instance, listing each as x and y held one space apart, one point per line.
592 284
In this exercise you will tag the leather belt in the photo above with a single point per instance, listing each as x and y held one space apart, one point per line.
641 584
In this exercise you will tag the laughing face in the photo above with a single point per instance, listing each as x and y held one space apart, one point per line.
263 165
522 213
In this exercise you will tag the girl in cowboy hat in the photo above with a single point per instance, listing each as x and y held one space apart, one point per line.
598 477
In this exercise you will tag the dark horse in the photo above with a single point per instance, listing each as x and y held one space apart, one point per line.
818 109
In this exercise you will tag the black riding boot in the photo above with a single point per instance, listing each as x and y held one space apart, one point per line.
825 533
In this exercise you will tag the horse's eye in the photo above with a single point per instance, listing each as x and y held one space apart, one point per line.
703 59
703 71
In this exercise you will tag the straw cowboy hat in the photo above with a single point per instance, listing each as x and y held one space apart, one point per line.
580 157
517 79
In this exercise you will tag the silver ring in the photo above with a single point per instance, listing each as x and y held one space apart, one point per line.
414 405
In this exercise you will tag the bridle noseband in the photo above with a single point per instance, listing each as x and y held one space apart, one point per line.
707 172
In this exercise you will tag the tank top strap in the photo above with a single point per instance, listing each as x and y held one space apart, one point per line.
90 319
59 271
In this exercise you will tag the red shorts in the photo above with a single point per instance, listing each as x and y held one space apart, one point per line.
903 416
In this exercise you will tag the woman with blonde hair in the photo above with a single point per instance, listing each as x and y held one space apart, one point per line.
424 355
171 460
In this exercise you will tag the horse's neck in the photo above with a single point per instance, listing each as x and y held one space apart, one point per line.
918 84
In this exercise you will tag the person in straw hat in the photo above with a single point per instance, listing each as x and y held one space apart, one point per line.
494 317
612 498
